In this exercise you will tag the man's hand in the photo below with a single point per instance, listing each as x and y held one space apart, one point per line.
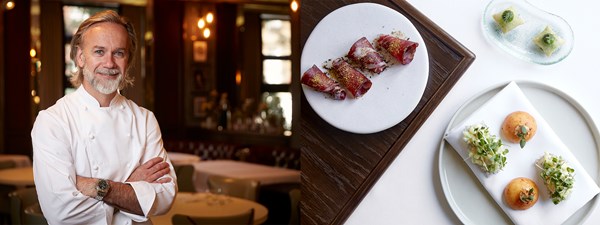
151 171
87 185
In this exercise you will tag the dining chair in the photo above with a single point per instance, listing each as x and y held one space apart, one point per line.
245 218
4 191
295 206
282 201
33 215
19 201
185 176
241 188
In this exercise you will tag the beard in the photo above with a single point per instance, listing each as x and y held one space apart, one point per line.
104 86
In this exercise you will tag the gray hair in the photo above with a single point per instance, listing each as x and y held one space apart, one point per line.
104 16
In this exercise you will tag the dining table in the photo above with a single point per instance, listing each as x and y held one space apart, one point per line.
20 176
179 158
264 174
204 204
397 175
20 160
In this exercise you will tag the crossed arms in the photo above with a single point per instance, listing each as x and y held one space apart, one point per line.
121 195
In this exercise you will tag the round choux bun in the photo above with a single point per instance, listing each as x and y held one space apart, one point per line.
521 193
511 127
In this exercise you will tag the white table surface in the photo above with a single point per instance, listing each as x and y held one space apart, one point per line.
206 204
178 158
409 191
242 170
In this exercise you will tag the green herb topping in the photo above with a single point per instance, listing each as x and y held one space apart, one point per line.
485 150
508 16
557 176
548 39
522 133
526 197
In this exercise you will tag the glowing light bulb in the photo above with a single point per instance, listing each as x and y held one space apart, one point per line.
10 5
210 17
201 23
148 36
32 53
294 5
206 32
238 77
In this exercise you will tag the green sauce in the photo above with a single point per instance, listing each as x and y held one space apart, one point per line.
508 16
548 39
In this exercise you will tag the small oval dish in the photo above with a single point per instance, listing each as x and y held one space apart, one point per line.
519 40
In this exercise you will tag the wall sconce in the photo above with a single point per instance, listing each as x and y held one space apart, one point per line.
203 23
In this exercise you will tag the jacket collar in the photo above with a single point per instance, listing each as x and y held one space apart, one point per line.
90 101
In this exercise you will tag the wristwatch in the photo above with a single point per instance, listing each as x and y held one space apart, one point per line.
102 188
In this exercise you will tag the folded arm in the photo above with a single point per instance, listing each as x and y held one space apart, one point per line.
122 195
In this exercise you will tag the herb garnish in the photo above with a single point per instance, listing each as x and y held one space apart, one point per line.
557 175
548 39
485 150
508 16
526 197
522 133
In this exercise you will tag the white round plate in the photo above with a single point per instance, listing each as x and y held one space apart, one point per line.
395 92
470 201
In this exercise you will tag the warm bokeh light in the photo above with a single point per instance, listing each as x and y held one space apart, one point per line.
201 23
32 53
206 32
238 77
36 99
148 36
294 5
32 93
9 5
210 17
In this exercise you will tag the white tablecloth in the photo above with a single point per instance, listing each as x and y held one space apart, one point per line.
178 158
242 170
206 204
20 160
411 185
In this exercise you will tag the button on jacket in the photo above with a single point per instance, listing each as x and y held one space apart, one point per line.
78 137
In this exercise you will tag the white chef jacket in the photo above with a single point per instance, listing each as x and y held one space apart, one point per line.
78 137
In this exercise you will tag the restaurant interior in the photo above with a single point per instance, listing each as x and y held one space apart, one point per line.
219 76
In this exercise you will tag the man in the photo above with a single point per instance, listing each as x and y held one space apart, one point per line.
98 157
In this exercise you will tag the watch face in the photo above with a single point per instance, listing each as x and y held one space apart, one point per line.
102 185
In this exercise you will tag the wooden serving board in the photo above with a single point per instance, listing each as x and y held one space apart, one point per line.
338 167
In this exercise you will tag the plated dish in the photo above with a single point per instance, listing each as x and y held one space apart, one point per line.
465 194
395 92
520 40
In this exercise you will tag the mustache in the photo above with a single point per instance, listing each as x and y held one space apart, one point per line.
108 71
